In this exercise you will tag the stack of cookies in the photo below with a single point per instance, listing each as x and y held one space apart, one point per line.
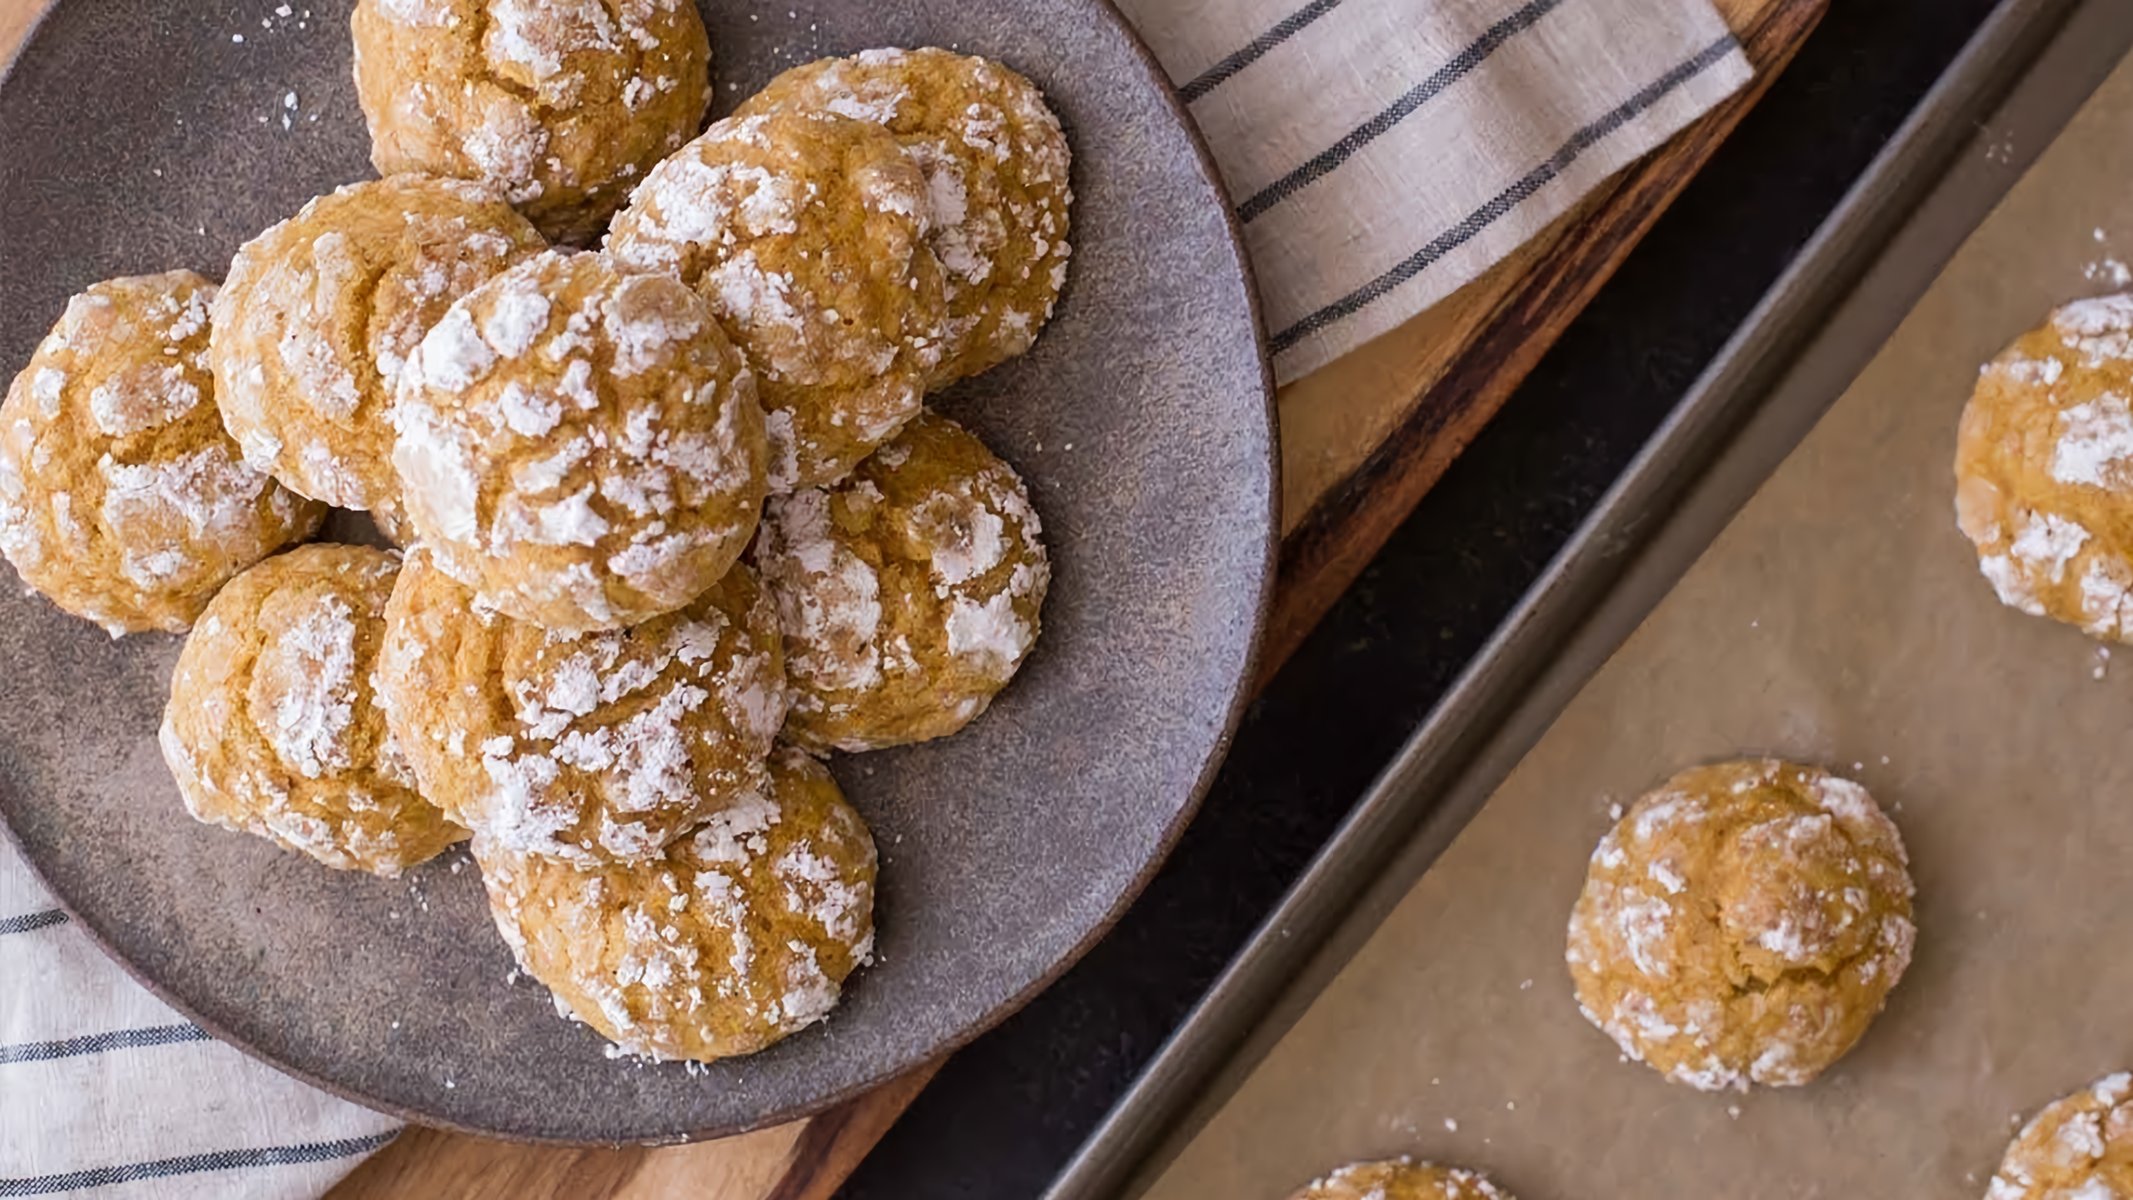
670 518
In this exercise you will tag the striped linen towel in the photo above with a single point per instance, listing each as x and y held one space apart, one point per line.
1381 153
105 1092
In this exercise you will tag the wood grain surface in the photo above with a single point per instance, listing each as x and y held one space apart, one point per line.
1362 441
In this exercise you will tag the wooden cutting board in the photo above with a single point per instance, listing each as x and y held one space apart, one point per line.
1362 441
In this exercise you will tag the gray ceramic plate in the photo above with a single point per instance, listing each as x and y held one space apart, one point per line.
143 136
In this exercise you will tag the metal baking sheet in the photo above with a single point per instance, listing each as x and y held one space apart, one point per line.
1409 996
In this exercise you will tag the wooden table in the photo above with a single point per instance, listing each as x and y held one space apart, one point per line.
1362 441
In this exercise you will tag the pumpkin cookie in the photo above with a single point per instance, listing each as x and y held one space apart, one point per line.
561 105
2078 1148
1745 922
121 497
909 594
806 233
580 446
598 747
741 935
996 166
2044 469
322 310
1401 1179
272 727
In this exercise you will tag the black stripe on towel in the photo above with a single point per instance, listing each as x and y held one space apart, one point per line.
1460 65
1214 76
99 1043
33 920
220 1160
1504 201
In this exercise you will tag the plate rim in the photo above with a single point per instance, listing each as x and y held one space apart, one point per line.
1261 583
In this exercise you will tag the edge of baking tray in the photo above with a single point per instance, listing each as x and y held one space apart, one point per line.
2016 84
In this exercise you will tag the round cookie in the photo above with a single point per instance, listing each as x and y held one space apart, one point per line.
273 728
580 446
1401 1179
806 233
1744 922
741 935
2044 469
909 594
996 166
321 311
599 747
121 497
561 105
2078 1148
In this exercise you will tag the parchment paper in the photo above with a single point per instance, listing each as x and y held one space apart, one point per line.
1840 619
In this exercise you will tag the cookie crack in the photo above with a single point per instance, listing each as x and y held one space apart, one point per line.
488 73
1753 985
370 382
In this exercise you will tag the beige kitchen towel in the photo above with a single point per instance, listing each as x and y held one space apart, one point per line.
1382 153
107 1093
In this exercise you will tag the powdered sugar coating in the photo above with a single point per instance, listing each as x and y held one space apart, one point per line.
121 497
1742 924
1401 1179
580 446
806 235
997 179
273 726
322 310
2078 1148
595 747
561 105
740 935
2044 469
909 594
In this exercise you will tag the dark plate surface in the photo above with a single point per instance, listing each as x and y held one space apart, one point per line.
142 136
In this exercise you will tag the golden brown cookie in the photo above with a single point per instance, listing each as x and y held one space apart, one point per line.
561 105
2078 1148
121 498
741 935
996 166
1401 1179
2044 469
322 310
806 233
909 594
580 446
596 747
1744 922
273 727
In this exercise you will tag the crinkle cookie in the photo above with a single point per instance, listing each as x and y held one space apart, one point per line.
1744 922
2078 1148
996 166
273 726
598 747
562 105
580 446
909 594
806 233
121 497
2044 469
1401 1179
321 312
741 935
